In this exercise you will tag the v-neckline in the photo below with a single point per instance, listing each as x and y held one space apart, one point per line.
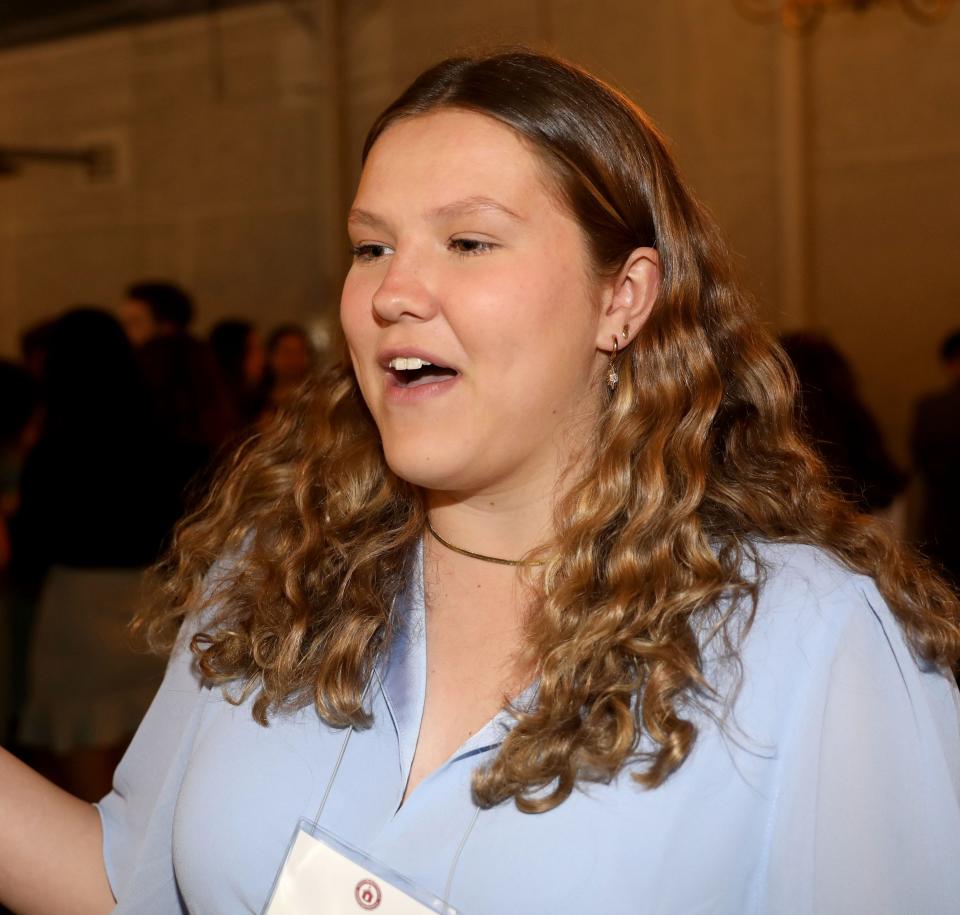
403 685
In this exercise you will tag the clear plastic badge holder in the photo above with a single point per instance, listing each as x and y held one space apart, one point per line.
323 875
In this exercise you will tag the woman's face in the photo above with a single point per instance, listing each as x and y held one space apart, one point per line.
290 359
255 359
465 259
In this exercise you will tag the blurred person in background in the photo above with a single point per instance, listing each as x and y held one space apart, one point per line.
96 503
189 397
935 443
290 359
155 308
19 418
33 348
239 352
840 425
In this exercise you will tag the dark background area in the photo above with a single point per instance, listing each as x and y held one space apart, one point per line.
28 22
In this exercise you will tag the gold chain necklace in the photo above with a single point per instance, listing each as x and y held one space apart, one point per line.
471 555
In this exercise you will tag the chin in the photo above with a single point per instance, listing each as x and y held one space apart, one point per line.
427 466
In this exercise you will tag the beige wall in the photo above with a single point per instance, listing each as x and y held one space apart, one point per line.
831 164
228 168
886 188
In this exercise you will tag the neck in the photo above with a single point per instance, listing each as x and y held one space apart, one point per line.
492 525
516 516
478 599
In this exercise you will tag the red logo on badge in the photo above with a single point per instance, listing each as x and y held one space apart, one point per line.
368 894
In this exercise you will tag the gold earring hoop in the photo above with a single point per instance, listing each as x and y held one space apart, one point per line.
613 378
625 332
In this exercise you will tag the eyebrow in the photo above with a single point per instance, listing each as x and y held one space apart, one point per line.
465 207
358 217
476 204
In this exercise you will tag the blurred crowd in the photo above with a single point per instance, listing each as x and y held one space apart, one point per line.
848 438
111 419
107 424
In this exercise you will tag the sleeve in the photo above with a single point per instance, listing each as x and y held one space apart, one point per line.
137 815
867 817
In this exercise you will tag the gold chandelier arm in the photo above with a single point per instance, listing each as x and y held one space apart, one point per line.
927 11
794 14
802 15
758 10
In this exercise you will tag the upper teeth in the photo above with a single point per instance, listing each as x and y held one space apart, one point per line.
405 363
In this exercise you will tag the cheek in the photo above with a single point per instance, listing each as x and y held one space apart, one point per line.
549 326
355 318
353 335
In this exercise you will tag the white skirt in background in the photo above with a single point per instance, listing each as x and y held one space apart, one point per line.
90 684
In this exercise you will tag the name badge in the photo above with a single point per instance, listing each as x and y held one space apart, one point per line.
323 875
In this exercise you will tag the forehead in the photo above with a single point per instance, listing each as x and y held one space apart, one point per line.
453 154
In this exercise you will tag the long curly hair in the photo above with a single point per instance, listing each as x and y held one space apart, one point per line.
696 460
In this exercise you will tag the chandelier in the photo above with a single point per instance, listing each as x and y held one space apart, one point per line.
805 14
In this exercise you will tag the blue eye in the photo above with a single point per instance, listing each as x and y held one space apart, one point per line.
467 247
369 252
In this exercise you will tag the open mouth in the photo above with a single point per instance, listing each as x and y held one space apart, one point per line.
412 371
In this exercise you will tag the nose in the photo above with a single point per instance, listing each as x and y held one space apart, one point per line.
404 292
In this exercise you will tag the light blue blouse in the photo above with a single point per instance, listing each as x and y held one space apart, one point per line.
832 787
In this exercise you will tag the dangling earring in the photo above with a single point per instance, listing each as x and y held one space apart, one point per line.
613 379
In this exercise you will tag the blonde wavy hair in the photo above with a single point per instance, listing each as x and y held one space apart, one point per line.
697 459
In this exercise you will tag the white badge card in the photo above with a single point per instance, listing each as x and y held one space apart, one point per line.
322 875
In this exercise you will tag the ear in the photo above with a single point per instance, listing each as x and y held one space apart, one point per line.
628 299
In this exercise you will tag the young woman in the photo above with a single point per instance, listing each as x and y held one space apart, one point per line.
538 603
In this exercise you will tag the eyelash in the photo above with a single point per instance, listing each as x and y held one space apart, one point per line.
365 253
479 247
